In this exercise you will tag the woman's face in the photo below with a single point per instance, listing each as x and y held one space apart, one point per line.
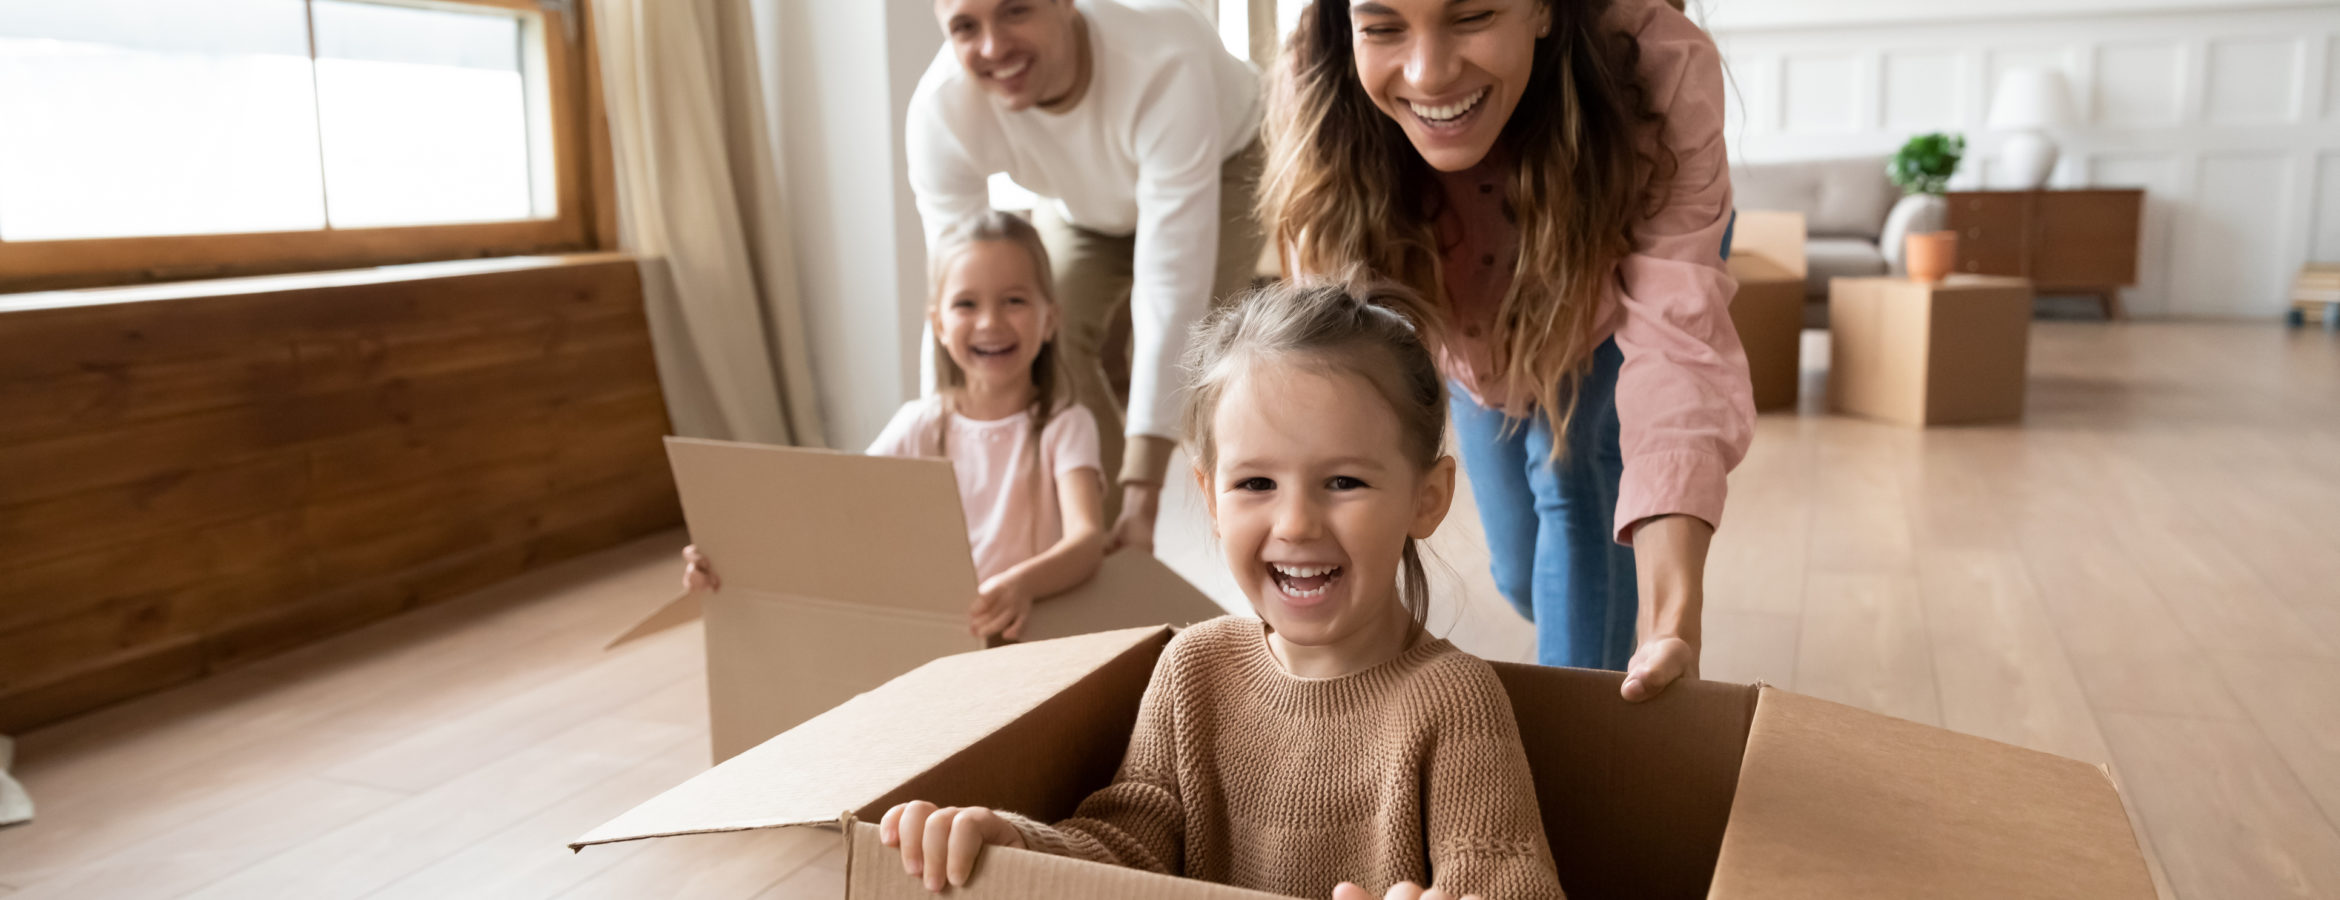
1449 71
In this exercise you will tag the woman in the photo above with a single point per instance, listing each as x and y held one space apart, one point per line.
1553 171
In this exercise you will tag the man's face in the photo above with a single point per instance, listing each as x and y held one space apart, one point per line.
1022 51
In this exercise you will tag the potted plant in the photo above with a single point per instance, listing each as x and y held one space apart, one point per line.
1922 169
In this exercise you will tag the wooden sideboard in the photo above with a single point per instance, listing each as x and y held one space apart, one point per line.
2065 241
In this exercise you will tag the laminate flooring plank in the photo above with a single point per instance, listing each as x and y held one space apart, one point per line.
1860 518
207 849
446 750
2296 703
2217 597
2171 684
368 853
531 859
2094 592
821 879
210 743
1759 553
1864 644
1748 647
2000 668
2225 815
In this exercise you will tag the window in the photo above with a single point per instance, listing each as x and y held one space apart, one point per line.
149 139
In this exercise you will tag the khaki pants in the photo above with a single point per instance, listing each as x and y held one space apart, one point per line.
1092 289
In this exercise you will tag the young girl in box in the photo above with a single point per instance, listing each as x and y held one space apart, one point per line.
1331 746
1024 454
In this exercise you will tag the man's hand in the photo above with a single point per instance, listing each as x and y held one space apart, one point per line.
1135 529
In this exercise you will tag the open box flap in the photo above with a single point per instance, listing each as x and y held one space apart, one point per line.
1050 702
1130 588
836 526
683 608
1839 802
1635 796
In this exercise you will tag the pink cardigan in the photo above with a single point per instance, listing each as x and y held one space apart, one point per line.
1684 404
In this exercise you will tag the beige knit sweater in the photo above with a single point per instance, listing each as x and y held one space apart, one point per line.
1240 774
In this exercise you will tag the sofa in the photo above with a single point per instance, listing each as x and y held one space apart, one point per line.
1855 218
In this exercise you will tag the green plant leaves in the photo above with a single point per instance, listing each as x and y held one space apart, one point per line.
1925 164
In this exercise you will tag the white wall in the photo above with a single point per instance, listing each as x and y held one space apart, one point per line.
1746 15
846 71
2227 113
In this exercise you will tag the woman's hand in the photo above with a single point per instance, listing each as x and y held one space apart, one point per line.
940 844
1660 661
1135 529
698 573
1001 607
1669 555
1403 890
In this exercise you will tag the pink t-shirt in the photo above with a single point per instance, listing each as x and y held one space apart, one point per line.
1684 404
1010 518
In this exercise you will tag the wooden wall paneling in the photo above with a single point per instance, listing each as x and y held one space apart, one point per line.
171 503
217 478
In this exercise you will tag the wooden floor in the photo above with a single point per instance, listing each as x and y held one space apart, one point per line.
2146 573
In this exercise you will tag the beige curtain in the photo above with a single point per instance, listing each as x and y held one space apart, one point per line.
700 200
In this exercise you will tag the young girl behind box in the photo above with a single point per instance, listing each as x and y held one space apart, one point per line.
1332 746
1025 455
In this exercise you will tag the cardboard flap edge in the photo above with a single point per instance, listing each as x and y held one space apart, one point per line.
683 608
848 757
606 835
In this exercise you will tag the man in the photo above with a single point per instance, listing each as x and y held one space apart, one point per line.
1141 132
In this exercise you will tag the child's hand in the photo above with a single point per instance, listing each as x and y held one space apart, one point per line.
698 574
1000 608
941 844
1403 890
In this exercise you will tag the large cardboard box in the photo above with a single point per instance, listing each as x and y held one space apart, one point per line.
1923 353
1767 259
841 571
1710 790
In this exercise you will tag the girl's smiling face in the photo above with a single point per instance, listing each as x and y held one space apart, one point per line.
993 315
1449 71
1313 501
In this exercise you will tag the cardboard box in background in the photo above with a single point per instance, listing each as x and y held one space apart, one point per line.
1710 790
842 571
1767 259
1929 354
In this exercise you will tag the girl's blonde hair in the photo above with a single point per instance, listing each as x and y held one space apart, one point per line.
1371 329
1345 187
1048 380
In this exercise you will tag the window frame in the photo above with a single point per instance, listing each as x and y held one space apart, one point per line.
583 178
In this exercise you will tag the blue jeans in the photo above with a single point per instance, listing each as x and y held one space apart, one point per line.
1551 527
